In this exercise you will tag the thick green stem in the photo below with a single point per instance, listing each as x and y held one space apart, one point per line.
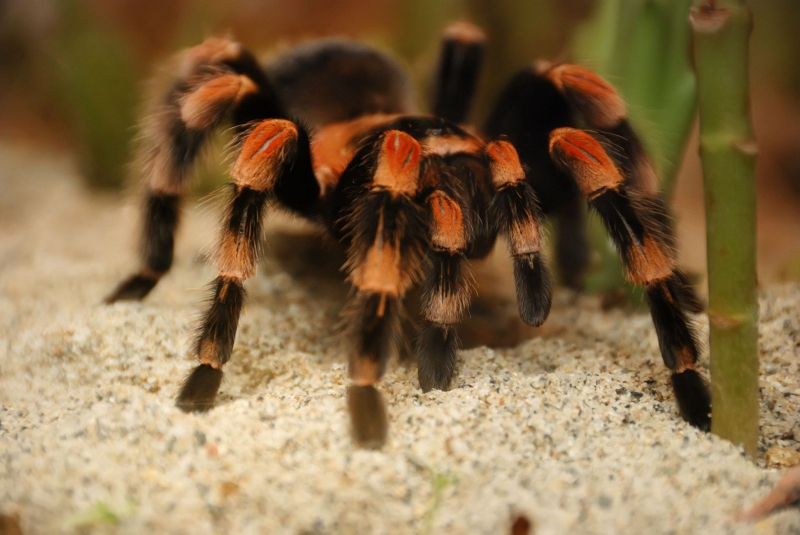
728 149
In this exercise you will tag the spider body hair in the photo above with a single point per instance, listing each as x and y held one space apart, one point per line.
326 131
336 80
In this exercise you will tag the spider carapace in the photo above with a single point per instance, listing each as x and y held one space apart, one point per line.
326 131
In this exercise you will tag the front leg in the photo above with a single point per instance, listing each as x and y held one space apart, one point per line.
385 230
274 159
633 222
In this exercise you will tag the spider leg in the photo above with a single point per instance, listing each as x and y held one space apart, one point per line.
527 110
515 210
384 228
218 81
459 66
604 111
273 160
447 290
572 243
648 258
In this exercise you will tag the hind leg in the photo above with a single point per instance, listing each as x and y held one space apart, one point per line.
459 66
217 81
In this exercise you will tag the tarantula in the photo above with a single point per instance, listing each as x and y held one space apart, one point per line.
326 132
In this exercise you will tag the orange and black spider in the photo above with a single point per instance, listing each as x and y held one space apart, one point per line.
326 132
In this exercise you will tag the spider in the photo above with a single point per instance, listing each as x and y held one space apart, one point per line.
326 132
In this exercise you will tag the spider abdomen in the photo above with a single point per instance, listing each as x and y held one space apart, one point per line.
335 80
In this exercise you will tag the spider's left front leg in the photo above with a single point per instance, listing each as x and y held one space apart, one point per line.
634 223
604 111
385 229
274 162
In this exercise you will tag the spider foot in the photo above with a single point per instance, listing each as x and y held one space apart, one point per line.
134 288
199 389
436 349
367 416
694 399
534 294
160 221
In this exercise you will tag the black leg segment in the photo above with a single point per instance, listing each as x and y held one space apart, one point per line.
199 389
459 68
436 349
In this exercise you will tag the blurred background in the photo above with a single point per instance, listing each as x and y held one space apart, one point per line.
72 73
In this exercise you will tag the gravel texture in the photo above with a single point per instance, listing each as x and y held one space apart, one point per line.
574 426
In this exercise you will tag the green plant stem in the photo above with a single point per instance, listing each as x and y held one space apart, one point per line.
97 87
728 149
674 98
642 47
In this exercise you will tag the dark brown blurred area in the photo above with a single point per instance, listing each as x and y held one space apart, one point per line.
71 74
35 38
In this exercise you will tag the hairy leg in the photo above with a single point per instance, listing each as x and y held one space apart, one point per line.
217 81
447 290
527 110
384 227
273 157
459 67
632 222
515 210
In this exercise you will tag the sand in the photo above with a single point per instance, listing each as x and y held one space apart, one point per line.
574 426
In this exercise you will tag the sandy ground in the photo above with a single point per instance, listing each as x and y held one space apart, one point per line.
574 427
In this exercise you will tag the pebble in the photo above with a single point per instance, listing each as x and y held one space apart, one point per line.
779 457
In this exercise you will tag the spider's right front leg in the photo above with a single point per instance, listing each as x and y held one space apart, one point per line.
273 162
